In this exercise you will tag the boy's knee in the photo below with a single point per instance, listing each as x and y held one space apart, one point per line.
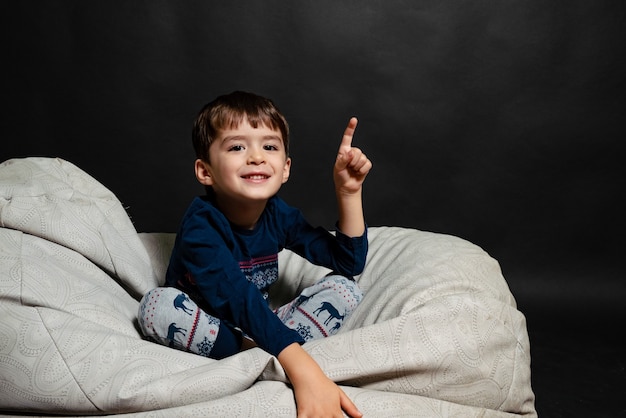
169 316
348 288
162 314
321 309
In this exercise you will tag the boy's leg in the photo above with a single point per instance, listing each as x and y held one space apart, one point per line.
171 318
321 309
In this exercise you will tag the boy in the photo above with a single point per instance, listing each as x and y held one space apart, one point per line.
225 255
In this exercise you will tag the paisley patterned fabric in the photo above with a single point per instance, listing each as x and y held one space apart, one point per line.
438 332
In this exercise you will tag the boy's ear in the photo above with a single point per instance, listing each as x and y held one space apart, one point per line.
203 172
286 170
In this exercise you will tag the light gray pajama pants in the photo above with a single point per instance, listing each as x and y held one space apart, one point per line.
170 317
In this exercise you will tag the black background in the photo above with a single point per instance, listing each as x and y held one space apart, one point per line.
501 122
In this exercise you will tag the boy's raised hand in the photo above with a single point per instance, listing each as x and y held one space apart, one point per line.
352 165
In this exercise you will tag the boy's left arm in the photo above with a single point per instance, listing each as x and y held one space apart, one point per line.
351 168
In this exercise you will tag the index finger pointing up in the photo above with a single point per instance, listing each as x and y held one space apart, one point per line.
346 141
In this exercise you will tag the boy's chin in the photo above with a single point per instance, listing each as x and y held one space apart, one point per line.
260 197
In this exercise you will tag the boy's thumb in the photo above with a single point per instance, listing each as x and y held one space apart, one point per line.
342 160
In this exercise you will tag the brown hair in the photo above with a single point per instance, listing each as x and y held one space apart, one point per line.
230 110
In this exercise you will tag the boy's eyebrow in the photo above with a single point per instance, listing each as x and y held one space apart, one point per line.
233 138
245 137
276 137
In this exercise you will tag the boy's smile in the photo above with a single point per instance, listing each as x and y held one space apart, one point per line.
246 166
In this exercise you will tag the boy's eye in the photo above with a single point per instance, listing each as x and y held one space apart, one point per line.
236 148
270 147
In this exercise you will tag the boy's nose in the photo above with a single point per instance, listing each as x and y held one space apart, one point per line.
255 157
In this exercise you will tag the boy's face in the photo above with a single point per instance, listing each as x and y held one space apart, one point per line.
246 164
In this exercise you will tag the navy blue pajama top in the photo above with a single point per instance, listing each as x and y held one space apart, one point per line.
231 269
